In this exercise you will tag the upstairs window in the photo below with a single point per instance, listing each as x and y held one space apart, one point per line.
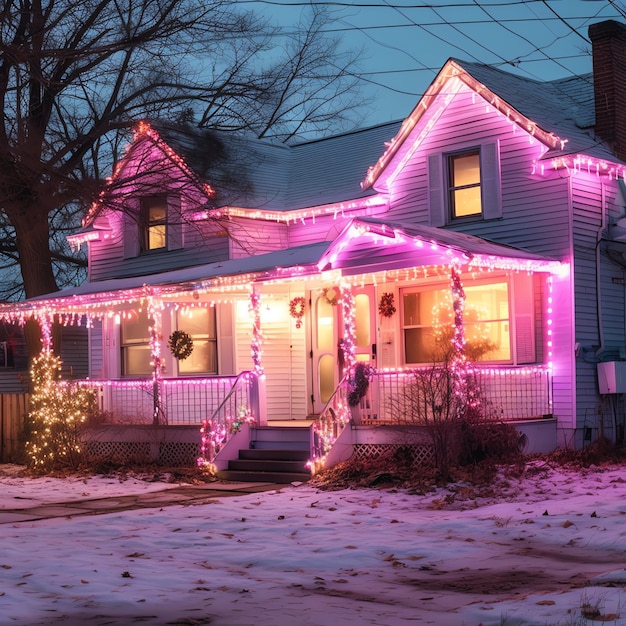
464 184
153 223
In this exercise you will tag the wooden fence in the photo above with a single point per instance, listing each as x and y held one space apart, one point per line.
13 408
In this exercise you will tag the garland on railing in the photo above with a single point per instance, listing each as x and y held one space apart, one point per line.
213 437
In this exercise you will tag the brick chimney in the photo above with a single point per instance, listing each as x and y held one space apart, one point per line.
608 41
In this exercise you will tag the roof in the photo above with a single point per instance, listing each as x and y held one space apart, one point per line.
283 177
185 279
349 253
561 112
261 173
564 107
379 245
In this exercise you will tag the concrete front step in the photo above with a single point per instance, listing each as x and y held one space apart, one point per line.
266 465
276 454
281 478
272 454
283 438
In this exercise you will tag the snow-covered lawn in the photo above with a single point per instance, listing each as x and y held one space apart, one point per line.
549 550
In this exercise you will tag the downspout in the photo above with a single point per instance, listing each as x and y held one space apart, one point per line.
602 228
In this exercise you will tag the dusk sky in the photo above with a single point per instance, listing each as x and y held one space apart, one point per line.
405 42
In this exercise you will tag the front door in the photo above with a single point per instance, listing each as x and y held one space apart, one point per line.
327 331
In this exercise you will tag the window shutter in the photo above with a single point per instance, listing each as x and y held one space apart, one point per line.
490 180
174 223
436 187
523 310
130 236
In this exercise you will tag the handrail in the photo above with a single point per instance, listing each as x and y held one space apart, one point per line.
215 432
325 430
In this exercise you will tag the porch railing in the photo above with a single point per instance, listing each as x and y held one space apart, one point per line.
181 401
328 426
510 393
232 413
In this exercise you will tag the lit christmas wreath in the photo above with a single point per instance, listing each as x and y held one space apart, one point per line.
297 306
330 295
386 306
180 344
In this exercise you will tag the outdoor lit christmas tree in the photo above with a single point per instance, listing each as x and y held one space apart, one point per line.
58 409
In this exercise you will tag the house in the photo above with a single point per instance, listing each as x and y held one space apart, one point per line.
234 283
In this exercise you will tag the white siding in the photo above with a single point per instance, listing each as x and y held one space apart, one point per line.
95 350
607 285
283 356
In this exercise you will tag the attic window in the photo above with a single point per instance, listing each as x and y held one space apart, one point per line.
153 223
464 184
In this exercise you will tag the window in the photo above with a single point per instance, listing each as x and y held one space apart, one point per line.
200 324
428 323
135 341
153 223
464 187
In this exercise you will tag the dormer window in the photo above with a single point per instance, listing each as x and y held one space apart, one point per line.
153 223
464 184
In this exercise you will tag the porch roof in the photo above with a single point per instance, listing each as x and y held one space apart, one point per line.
302 259
365 245
376 244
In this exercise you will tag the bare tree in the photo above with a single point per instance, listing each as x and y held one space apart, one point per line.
76 74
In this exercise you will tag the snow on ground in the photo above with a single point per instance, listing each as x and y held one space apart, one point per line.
551 551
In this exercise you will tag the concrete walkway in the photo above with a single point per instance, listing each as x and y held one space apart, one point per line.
184 495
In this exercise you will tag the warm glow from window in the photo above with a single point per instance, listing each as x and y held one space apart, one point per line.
464 170
135 341
428 323
154 222
325 325
200 324
362 322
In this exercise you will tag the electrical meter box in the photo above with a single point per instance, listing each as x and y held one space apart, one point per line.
612 377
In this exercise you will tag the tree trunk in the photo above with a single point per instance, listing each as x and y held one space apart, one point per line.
32 236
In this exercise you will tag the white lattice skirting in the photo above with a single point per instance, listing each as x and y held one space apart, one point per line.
421 455
170 453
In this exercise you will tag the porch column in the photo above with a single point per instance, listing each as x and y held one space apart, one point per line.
155 322
349 332
459 361
258 399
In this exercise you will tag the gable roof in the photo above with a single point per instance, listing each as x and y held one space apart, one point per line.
560 113
563 107
263 174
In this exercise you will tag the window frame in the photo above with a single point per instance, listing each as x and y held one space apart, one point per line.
490 180
127 345
210 338
452 189
147 224
445 287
